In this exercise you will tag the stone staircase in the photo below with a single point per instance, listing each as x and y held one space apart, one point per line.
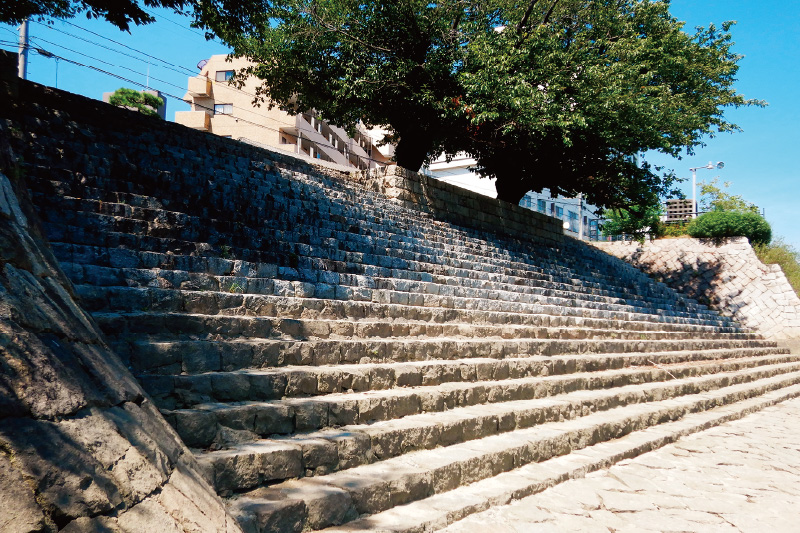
339 361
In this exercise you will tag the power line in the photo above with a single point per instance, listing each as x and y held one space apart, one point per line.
95 43
105 62
184 70
162 17
125 45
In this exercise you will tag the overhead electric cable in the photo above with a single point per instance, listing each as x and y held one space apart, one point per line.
179 70
125 45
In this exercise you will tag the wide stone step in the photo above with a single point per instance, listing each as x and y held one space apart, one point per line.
142 299
392 233
137 299
186 325
126 269
360 252
440 510
244 279
166 356
326 285
345 495
186 391
399 420
381 240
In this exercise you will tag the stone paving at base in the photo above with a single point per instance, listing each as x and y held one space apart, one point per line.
743 476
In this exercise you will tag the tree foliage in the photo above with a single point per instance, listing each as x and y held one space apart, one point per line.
558 94
636 221
715 197
384 63
570 102
120 13
145 103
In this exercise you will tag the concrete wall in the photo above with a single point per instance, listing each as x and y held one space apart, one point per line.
728 277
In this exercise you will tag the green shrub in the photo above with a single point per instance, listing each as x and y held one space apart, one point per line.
780 253
720 224
675 230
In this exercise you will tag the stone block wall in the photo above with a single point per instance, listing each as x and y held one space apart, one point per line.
728 277
82 447
450 203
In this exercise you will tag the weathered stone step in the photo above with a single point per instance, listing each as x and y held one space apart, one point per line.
124 271
440 510
345 495
186 391
277 280
327 285
382 240
360 251
399 420
139 299
128 298
169 356
381 236
222 327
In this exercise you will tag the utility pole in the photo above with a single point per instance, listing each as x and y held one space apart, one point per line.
22 70
580 216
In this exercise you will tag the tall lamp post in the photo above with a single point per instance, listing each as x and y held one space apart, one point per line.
710 166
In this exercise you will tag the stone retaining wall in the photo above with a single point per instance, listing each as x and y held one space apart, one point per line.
728 277
460 206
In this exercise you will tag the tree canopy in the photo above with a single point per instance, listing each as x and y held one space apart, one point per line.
715 197
558 94
120 13
145 103
569 102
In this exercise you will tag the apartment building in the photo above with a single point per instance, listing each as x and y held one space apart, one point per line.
680 210
228 111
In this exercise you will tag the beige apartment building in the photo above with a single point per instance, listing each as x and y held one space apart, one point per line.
225 110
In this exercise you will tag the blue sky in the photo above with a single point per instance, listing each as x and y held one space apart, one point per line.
761 162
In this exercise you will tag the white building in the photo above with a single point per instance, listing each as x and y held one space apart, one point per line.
578 217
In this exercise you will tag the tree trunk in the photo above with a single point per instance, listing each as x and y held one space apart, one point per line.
511 190
412 149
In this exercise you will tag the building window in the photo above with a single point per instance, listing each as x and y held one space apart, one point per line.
224 75
541 206
593 230
559 212
223 109
573 220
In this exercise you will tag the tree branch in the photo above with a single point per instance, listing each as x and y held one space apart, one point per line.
546 18
521 24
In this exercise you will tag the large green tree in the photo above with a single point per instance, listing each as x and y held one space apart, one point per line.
120 13
393 63
571 97
560 94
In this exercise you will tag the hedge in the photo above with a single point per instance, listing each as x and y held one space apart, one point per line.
721 224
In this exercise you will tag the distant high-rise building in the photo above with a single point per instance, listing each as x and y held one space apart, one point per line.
679 210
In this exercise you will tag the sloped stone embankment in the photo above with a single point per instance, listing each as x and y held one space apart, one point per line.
354 351
727 275
82 447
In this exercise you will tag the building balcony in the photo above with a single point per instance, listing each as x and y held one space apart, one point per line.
199 120
200 87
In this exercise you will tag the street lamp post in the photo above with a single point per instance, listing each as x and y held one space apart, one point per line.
694 170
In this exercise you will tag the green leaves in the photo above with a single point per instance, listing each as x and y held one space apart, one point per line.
145 103
558 94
